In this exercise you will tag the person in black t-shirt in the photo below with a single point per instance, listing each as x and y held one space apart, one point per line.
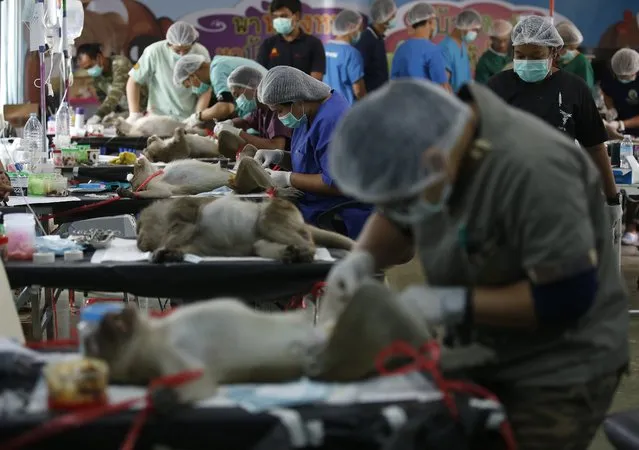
561 99
621 93
291 46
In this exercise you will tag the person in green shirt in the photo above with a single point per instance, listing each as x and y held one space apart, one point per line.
498 54
572 60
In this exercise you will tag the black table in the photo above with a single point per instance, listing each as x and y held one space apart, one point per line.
253 281
113 144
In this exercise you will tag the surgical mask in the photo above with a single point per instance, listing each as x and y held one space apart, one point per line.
283 25
94 71
470 36
245 106
568 56
626 81
419 209
503 55
176 56
201 89
356 38
290 121
392 22
531 71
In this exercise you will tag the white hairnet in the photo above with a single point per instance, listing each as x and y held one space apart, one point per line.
500 28
419 13
467 20
382 10
182 33
569 33
536 30
185 66
346 22
245 77
377 151
625 62
284 84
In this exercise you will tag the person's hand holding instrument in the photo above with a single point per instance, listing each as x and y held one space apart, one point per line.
268 158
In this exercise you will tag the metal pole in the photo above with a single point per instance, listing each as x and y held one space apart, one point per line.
43 98
65 54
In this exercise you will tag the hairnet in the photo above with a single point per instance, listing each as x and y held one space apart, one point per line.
284 84
419 13
500 28
536 30
569 33
185 66
382 10
346 22
625 62
245 77
468 19
182 33
377 151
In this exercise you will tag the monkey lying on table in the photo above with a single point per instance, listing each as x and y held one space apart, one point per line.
180 146
152 125
232 343
228 226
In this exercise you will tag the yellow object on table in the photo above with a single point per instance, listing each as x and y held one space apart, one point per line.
78 383
124 159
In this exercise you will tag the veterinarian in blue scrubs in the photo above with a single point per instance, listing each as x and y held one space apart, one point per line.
418 57
455 47
313 110
344 63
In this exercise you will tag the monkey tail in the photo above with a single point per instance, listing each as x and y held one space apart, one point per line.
330 239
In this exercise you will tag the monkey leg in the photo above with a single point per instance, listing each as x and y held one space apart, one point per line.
174 362
282 252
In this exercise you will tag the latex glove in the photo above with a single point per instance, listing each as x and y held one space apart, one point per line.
192 121
436 306
280 178
226 127
347 275
133 117
615 212
94 120
269 158
611 114
617 125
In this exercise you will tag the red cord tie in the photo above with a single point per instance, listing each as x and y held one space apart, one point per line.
78 419
427 358
298 302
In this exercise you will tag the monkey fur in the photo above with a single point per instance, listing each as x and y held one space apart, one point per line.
150 125
180 146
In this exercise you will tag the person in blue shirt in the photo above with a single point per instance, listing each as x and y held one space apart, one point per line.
455 47
344 63
418 57
371 44
313 110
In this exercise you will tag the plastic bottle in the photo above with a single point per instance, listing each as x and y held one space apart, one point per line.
626 149
51 125
32 143
63 126
79 118
20 229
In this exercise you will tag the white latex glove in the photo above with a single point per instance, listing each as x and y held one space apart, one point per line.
280 178
269 158
346 276
192 121
611 114
615 212
133 117
436 306
617 125
226 127
95 120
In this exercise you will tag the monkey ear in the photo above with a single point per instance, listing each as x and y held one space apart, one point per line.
152 139
179 134
124 323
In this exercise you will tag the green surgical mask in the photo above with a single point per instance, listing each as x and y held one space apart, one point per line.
568 56
290 121
531 70
245 106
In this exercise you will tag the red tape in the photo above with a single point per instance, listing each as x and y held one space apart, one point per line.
427 358
78 419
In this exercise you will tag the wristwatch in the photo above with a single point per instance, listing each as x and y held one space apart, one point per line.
613 201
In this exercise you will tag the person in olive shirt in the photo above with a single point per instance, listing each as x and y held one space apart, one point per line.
572 60
498 54
110 75
291 46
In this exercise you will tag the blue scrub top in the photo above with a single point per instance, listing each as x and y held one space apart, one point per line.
371 46
309 155
344 67
419 58
457 62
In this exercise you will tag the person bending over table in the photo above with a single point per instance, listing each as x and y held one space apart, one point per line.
621 93
561 99
272 134
198 74
504 214
312 109
570 58
154 69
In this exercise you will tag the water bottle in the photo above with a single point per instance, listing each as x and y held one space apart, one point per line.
32 143
63 126
626 150
79 118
